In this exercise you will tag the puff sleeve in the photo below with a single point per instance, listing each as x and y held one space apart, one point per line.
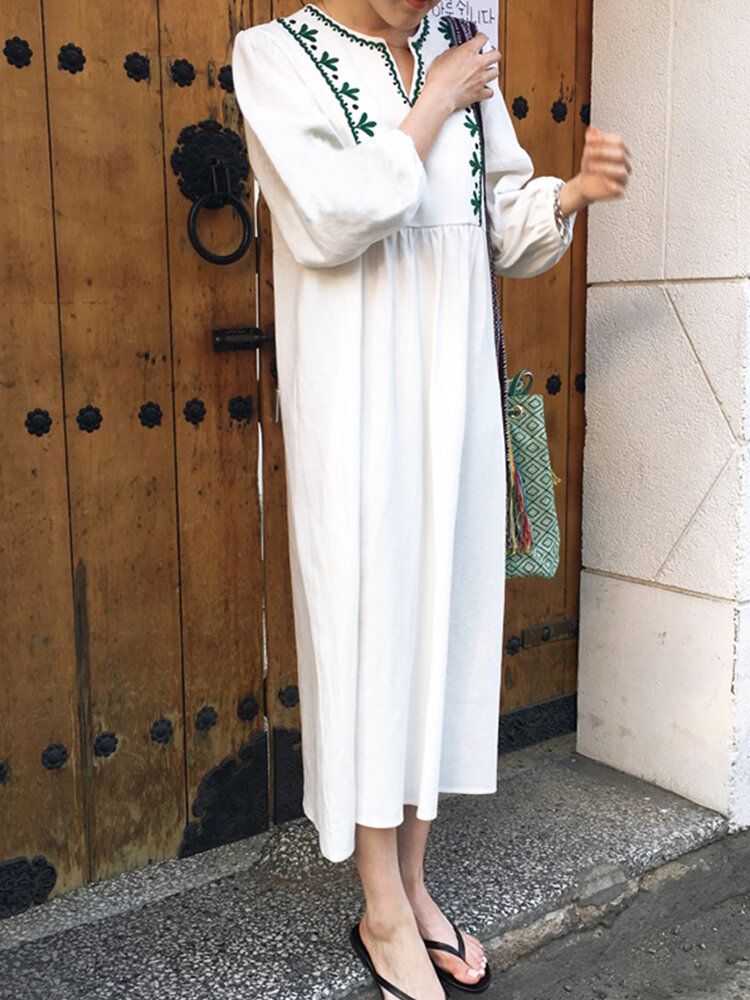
527 236
330 197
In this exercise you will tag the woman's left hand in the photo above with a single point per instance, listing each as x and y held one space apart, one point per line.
605 165
605 171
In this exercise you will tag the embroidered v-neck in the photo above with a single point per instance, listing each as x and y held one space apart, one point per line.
415 43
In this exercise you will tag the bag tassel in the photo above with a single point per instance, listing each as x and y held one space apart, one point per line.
519 524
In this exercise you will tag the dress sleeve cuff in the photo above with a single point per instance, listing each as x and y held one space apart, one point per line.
563 222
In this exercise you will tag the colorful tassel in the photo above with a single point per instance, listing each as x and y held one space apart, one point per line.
518 528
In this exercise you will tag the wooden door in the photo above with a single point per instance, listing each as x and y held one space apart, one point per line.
132 706
546 83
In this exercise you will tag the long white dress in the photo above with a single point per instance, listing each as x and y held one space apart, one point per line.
390 408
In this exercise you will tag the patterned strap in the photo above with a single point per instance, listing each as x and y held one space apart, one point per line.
462 31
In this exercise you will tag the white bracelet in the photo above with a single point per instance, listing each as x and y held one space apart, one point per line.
564 222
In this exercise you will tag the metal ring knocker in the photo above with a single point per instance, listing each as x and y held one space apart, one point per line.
218 199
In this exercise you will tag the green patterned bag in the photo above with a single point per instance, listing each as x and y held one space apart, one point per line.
533 547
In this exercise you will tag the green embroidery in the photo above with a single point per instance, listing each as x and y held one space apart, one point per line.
445 29
476 162
328 66
366 126
385 52
471 121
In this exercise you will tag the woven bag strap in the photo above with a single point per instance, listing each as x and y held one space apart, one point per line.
462 30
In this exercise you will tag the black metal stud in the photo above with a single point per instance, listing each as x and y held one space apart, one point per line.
554 384
513 644
289 696
54 756
194 410
520 107
241 407
559 111
150 414
580 382
17 51
137 66
44 877
226 80
200 147
182 72
71 58
162 731
4 771
24 882
89 418
586 113
38 422
247 708
105 744
206 718
232 800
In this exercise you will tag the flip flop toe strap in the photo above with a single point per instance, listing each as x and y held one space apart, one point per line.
460 952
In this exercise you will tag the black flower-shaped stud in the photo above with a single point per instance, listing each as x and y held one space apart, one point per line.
289 696
513 644
137 66
247 708
226 80
54 756
182 72
559 111
17 51
105 744
162 731
206 718
241 407
38 422
520 107
89 418
150 414
194 410
71 58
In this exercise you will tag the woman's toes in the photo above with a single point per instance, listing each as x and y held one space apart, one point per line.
475 954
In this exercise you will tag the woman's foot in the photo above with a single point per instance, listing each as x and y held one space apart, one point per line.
433 923
398 953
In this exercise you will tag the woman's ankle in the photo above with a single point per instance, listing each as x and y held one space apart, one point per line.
414 887
384 920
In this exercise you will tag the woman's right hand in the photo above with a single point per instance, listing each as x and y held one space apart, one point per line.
461 74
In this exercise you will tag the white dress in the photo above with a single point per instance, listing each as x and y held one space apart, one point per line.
390 409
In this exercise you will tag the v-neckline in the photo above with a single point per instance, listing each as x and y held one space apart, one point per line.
414 42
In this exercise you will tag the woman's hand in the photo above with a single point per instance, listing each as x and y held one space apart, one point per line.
459 76
605 170
605 166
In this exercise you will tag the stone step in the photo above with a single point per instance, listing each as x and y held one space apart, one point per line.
269 917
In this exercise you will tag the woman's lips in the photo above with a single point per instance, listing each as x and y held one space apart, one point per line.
418 4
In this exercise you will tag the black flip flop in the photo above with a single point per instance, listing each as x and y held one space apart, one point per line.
361 949
447 977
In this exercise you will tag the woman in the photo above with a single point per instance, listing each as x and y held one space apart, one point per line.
360 131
